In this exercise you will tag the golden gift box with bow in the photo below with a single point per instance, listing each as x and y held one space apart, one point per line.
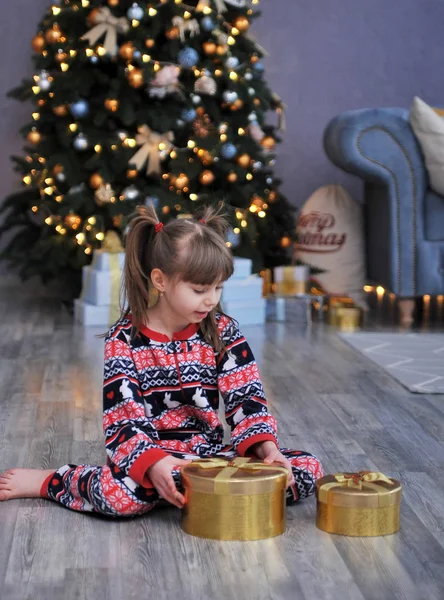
344 314
242 499
366 503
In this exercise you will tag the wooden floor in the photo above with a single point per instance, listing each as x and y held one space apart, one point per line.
327 398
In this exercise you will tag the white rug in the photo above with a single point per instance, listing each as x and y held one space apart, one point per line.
414 359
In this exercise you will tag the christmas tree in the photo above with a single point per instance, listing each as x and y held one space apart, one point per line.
135 101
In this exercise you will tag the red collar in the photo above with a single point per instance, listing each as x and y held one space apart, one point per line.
185 334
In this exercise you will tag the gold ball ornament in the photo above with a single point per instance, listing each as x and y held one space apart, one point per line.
241 23
92 17
206 177
181 181
113 2
135 78
132 173
257 101
209 47
126 51
41 102
237 104
221 50
165 210
268 142
272 196
95 181
254 59
34 137
112 104
285 242
60 111
244 160
54 35
61 57
38 42
73 221
232 177
149 43
172 33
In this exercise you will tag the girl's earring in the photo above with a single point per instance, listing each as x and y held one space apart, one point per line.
161 294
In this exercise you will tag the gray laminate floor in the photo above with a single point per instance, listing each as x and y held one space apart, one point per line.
327 399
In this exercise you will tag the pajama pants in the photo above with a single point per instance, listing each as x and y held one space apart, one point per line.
109 491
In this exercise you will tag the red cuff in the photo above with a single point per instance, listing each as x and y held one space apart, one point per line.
45 486
243 447
144 462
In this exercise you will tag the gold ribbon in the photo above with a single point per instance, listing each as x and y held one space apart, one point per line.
150 140
358 481
112 242
229 468
108 24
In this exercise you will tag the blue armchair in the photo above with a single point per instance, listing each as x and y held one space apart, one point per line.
404 218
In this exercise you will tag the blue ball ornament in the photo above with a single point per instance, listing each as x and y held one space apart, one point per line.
232 62
188 115
154 200
258 68
79 109
188 57
228 151
81 142
207 24
135 12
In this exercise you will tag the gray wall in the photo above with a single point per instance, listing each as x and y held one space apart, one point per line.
326 56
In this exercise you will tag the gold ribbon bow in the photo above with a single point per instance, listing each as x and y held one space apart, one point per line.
149 141
358 481
229 468
107 23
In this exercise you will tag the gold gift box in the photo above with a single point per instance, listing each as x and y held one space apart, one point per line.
344 314
238 500
358 504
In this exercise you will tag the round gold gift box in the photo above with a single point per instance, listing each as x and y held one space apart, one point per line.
372 510
234 503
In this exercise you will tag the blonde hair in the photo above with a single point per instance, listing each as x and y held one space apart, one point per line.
189 250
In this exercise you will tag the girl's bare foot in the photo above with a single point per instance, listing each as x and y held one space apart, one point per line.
22 483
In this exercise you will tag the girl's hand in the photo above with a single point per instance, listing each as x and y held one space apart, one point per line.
270 453
160 476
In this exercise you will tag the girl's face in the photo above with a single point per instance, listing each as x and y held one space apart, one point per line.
192 302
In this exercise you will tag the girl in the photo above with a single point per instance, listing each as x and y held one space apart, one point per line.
165 367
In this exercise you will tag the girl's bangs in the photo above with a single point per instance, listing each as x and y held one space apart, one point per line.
207 263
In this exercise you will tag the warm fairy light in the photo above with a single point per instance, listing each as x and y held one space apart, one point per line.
156 67
173 154
49 191
114 147
35 209
368 288
48 220
235 31
80 237
98 148
89 52
36 116
135 23
49 181
146 58
223 137
73 127
100 236
152 12
73 53
197 72
193 197
131 142
27 179
248 176
243 223
85 3
35 89
380 291
58 198
231 41
88 250
241 131
162 146
191 144
253 208
218 72
239 215
207 10
234 76
131 68
261 214
42 160
64 66
228 244
101 51
187 14
92 220
236 230
56 10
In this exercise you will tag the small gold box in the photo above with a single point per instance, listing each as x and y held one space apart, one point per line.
358 504
344 314
238 500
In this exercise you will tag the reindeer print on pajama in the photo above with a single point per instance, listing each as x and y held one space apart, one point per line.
160 398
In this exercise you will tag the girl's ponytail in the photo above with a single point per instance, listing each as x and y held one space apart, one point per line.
216 219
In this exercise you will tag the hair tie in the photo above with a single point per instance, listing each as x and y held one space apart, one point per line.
158 227
203 221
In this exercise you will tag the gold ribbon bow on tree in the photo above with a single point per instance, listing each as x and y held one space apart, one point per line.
106 23
149 141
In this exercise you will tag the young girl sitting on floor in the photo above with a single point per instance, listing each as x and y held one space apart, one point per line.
165 367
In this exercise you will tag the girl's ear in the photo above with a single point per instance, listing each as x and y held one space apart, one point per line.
158 279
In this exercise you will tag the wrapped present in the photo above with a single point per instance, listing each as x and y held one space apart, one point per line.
293 309
292 280
246 312
239 500
242 268
249 288
344 314
358 504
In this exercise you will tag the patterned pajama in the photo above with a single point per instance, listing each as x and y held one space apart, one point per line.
161 397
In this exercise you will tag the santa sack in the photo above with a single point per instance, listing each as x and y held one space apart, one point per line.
330 237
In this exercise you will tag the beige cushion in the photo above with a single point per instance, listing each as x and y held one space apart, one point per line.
428 127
